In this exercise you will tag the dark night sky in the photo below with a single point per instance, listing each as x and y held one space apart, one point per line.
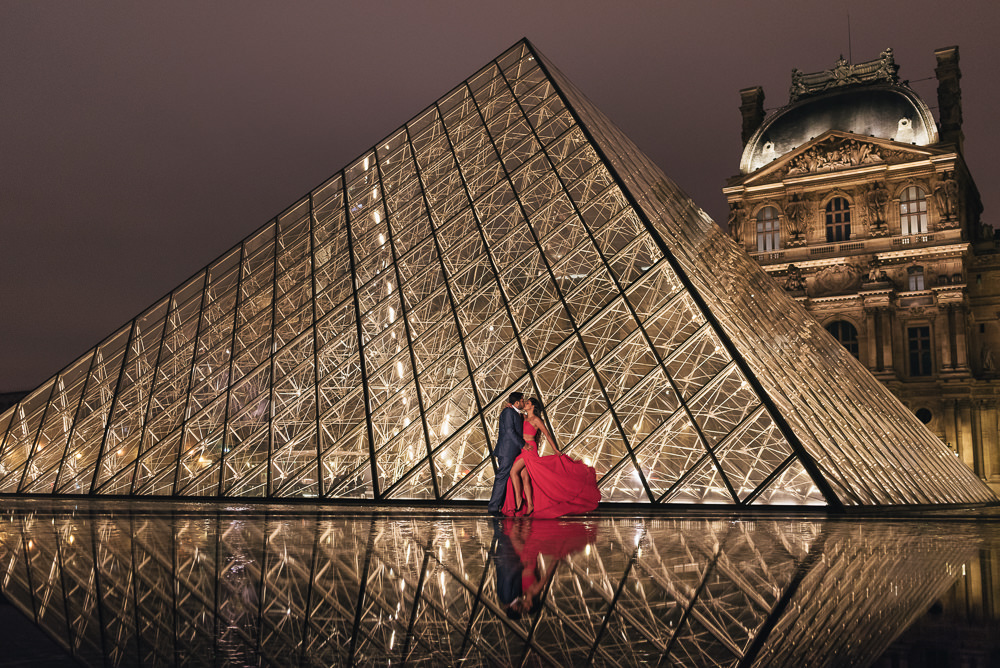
140 140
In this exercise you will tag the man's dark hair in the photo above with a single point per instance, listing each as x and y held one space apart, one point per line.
515 397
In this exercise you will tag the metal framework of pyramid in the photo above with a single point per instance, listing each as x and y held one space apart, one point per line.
510 237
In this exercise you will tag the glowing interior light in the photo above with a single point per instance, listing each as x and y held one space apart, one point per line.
366 164
375 192
399 369
388 287
78 455
381 240
445 426
404 401
378 219
406 422
392 318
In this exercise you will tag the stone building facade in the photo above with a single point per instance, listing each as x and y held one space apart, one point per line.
856 200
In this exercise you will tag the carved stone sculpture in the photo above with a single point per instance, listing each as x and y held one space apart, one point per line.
794 281
736 221
796 211
876 274
876 199
946 197
835 153
837 279
986 360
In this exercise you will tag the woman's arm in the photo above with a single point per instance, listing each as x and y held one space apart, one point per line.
540 426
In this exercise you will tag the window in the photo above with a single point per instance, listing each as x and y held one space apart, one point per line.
913 211
846 334
916 275
838 220
768 230
920 350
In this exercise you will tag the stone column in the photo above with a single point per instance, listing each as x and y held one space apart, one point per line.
942 337
888 326
963 426
874 339
988 438
961 315
948 322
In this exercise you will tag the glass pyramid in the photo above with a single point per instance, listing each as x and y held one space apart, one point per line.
510 237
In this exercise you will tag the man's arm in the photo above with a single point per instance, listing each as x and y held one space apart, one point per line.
508 421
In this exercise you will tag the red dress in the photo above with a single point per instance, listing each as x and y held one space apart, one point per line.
560 484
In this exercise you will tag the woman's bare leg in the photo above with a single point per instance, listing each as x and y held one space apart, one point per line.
528 496
515 479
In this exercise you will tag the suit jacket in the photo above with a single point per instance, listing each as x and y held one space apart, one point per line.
511 438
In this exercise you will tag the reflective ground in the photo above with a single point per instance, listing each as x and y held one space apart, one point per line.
188 584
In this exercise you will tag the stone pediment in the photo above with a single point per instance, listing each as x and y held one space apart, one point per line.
835 151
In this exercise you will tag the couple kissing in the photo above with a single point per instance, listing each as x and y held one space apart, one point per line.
528 484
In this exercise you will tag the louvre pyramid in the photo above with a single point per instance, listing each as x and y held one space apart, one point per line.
509 237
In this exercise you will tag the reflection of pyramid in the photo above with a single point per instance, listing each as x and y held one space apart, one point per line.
143 587
507 238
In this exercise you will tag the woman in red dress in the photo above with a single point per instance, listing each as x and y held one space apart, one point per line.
554 485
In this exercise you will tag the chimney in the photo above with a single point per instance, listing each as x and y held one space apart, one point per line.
752 108
949 96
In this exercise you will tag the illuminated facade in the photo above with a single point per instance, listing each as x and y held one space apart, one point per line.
862 206
509 237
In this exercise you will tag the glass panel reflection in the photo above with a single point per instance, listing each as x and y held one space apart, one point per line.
152 584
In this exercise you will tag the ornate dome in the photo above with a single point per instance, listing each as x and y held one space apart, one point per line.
885 110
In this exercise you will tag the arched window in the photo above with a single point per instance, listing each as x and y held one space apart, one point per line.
768 230
838 220
846 334
913 211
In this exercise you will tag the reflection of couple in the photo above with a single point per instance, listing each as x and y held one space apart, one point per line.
528 484
527 554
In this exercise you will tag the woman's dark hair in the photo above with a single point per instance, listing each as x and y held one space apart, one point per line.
539 409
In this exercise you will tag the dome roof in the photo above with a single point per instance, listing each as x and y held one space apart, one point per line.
888 111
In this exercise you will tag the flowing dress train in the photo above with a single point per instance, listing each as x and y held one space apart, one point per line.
560 484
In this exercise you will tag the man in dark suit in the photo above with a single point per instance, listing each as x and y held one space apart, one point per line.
508 447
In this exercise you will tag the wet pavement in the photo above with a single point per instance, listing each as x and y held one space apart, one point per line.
165 583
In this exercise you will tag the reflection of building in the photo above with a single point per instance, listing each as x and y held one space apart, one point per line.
508 238
864 209
960 629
